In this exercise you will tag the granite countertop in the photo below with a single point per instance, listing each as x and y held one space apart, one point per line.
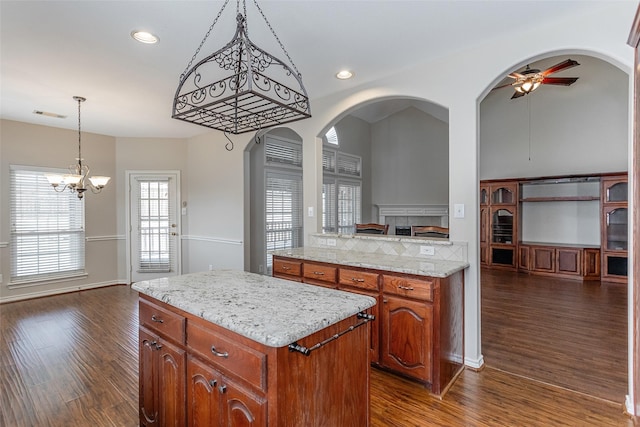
268 310
399 264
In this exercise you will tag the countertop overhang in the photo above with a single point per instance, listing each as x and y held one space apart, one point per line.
271 311
376 261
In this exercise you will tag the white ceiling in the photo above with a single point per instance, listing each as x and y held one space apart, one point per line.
53 50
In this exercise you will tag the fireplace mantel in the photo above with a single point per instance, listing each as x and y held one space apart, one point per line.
441 211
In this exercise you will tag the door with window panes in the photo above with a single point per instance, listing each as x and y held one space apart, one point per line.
341 193
154 228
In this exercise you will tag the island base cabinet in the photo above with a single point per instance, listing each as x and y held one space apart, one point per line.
407 337
215 401
162 382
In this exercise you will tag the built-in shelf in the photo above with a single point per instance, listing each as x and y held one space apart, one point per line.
561 199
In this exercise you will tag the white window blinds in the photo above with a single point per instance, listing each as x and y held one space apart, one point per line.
349 206
283 211
329 212
47 228
349 165
278 152
155 210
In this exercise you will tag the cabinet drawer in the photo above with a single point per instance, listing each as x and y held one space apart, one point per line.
292 268
163 321
358 279
236 359
320 272
408 287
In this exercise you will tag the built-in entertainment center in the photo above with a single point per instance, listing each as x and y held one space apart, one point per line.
568 226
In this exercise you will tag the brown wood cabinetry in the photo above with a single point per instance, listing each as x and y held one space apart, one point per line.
319 274
571 262
498 223
614 228
195 373
162 368
419 328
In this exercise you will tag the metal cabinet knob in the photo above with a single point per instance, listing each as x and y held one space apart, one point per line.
222 389
213 383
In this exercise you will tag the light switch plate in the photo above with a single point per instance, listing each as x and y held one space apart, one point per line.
458 210
310 210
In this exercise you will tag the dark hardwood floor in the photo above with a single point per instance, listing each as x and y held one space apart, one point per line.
562 332
71 360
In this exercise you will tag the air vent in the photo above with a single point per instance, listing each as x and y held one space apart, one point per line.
48 114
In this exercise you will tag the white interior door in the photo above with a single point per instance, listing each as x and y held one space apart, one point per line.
154 228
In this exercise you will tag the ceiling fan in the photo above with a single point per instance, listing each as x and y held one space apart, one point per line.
530 79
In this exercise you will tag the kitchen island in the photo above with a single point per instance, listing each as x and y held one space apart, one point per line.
239 349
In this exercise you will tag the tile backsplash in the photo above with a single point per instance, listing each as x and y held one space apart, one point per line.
393 245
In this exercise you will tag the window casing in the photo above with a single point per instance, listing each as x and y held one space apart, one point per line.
47 228
341 191
283 196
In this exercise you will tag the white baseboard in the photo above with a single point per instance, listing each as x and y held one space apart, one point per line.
58 291
474 363
628 405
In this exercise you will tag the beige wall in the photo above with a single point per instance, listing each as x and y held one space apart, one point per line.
33 145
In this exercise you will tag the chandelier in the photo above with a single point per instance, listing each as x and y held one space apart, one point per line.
256 90
78 179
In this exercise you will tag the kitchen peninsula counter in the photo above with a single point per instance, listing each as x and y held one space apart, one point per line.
399 264
221 346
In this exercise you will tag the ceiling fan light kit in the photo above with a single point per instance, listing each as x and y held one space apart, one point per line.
257 92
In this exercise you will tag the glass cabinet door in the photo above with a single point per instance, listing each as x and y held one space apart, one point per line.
616 229
502 226
503 196
616 193
484 195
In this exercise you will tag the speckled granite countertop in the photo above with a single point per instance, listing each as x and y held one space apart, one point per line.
395 263
268 310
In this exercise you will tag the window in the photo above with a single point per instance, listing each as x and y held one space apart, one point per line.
47 228
283 196
332 136
154 231
341 194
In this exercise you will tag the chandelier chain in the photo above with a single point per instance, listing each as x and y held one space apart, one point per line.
193 58
276 36
79 135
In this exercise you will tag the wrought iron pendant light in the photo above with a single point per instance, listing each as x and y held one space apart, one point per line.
257 91
78 179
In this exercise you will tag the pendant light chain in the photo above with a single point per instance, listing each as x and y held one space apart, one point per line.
276 36
79 135
193 58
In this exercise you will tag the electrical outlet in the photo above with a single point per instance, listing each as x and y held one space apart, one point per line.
310 211
331 242
210 267
261 268
458 210
427 250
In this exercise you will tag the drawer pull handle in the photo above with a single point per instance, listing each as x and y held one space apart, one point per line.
406 288
355 279
284 267
318 273
156 319
217 353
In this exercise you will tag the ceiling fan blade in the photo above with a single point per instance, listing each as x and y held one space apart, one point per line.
562 81
501 86
517 94
569 63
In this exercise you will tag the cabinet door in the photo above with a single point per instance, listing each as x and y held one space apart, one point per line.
502 226
569 261
407 337
484 225
543 259
204 408
242 408
504 194
171 384
615 191
523 258
148 382
615 229
374 327
484 195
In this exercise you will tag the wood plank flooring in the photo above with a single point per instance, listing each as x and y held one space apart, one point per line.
71 360
562 332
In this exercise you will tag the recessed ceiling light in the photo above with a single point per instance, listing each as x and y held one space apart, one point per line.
144 37
344 74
